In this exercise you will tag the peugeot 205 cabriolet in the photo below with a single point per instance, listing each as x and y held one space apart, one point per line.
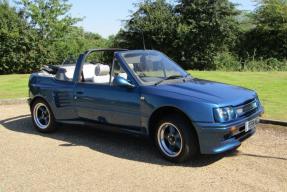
144 92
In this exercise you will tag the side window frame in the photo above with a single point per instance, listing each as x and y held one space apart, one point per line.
112 74
84 57
134 79
129 77
112 70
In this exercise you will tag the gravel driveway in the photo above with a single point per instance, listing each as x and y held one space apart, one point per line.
84 159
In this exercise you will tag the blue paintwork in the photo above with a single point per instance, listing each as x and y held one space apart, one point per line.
131 106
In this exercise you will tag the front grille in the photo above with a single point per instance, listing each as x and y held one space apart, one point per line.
247 108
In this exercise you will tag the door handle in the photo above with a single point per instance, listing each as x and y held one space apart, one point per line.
79 92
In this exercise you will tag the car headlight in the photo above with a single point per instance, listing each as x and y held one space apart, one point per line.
224 114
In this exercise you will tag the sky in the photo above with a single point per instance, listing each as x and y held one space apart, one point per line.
105 16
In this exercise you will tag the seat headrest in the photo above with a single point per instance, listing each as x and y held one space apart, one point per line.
102 70
131 65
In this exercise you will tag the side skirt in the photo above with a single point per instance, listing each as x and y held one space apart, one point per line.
107 127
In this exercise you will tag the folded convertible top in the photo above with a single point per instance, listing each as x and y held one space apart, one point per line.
51 69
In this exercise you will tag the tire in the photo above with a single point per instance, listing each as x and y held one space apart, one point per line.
42 116
175 139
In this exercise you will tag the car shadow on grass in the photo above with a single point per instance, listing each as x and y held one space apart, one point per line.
119 145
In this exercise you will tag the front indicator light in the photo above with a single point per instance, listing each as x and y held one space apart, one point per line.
233 130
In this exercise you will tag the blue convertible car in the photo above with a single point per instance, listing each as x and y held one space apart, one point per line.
144 92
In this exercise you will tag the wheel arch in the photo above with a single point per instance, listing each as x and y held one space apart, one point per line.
164 110
38 97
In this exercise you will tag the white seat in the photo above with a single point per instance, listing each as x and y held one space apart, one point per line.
70 72
65 73
123 75
131 65
102 74
89 72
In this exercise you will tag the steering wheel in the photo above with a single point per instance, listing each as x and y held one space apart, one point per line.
142 74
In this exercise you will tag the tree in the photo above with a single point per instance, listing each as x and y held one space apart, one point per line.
154 22
77 41
49 17
17 47
269 36
192 32
206 28
53 24
41 32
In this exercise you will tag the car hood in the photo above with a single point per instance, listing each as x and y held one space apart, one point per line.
214 92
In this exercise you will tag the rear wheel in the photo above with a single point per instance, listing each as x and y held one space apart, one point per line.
175 138
42 116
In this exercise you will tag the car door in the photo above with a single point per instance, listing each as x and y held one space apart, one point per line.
102 102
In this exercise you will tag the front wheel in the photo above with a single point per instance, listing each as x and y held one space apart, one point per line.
42 116
175 139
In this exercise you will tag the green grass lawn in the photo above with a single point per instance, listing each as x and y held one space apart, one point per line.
270 86
13 86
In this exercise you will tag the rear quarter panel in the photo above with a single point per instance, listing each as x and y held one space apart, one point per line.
58 94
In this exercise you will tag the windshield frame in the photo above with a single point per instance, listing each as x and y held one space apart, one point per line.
138 79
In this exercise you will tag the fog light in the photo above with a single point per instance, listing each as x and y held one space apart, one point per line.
233 130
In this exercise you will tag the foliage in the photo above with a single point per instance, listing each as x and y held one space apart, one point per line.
51 21
245 21
227 61
270 64
197 34
18 42
269 36
206 28
192 32
41 32
77 41
49 17
153 21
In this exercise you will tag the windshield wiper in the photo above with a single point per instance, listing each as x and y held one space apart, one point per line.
169 77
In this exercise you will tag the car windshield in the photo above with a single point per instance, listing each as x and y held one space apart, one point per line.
153 66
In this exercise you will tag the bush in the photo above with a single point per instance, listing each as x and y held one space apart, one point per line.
228 62
267 38
271 64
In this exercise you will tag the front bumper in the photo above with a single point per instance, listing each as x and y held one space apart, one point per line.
216 138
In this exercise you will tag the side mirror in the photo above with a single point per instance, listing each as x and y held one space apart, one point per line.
122 82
